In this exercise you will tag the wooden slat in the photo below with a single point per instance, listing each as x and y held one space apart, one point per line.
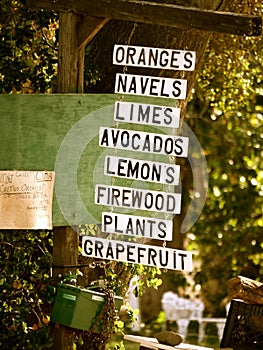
160 14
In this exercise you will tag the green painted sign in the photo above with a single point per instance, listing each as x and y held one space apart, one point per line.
61 133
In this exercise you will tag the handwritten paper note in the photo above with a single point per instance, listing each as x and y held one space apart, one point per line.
26 199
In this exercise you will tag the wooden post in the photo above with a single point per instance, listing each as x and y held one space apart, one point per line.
74 33
66 240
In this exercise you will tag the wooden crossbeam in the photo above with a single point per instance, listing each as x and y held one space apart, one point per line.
160 14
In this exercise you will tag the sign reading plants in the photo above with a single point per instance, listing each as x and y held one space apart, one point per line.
163 201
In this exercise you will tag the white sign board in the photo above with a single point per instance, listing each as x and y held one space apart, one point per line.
26 199
141 141
147 114
144 85
129 168
126 197
151 57
139 226
135 253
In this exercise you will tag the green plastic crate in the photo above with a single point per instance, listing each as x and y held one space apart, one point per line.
78 307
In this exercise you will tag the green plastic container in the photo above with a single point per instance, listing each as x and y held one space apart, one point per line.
78 307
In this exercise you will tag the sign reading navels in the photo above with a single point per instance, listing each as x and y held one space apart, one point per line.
165 146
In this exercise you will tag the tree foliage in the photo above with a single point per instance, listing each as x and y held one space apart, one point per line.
25 296
226 111
28 52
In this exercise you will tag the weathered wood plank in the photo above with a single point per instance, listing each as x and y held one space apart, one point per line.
159 13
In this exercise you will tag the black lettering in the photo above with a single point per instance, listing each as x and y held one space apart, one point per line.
161 252
156 172
162 227
115 136
125 197
177 90
131 51
132 88
98 249
168 118
131 112
189 61
148 203
125 139
129 253
108 171
151 256
129 229
163 60
178 148
117 111
182 255
147 144
104 138
133 141
153 57
119 249
140 249
115 194
121 167
133 171
174 256
122 84
153 87
155 144
99 194
174 59
156 115
141 58
120 50
107 220
137 197
140 227
163 94
159 198
168 145
86 250
145 171
151 222
171 203
144 84
109 252
143 115
116 225
170 171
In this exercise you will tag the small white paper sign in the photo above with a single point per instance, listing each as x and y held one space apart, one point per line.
141 141
140 226
136 253
26 199
136 198
136 169
143 85
151 57
147 114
